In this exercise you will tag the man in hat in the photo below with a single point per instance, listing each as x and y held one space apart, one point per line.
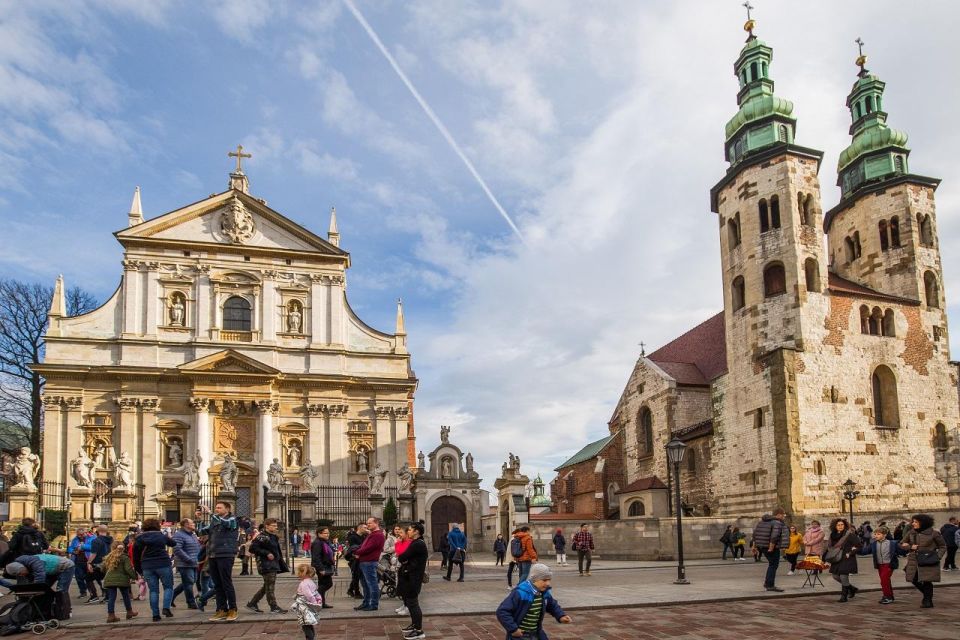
521 613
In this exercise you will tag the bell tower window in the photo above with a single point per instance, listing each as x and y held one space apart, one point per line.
774 280
764 217
737 291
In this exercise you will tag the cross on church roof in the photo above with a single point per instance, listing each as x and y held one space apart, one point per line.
861 59
643 349
749 8
749 24
239 155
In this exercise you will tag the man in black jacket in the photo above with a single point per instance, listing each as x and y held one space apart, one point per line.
222 546
949 533
354 540
266 547
771 535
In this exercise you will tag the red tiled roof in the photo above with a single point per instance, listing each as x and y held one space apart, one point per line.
644 484
704 347
844 286
552 515
693 431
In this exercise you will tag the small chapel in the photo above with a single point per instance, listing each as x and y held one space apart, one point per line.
829 361
228 357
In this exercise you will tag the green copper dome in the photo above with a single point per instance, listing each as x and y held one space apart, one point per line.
756 109
871 140
538 499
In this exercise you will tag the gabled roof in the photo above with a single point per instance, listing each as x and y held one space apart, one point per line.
230 362
843 286
704 347
644 484
590 451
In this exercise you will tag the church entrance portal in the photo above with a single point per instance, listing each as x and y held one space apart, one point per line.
445 511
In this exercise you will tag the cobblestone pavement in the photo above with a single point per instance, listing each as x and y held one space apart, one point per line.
810 617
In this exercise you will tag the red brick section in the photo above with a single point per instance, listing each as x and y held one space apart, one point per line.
808 617
577 493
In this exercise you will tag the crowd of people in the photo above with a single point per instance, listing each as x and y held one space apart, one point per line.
837 548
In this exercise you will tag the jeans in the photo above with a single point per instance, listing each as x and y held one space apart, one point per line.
206 590
161 576
64 578
188 577
112 599
267 589
371 587
584 553
80 573
773 560
221 570
524 570
728 547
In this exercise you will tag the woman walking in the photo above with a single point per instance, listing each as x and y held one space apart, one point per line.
500 549
323 560
841 556
925 548
151 560
560 546
413 566
794 549
307 544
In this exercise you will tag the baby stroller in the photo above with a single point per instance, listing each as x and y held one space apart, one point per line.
35 609
387 576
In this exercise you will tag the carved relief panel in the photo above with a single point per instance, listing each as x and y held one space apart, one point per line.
235 436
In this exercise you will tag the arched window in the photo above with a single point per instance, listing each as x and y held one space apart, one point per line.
733 231
645 433
782 133
753 72
932 290
811 273
876 321
857 251
820 467
940 441
849 250
775 212
763 69
774 280
692 460
926 230
889 327
856 111
764 217
737 293
886 407
865 319
884 240
869 104
895 232
236 314
898 164
636 509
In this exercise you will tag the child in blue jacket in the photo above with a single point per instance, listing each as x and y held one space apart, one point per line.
521 614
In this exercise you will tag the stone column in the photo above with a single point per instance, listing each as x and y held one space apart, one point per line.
318 439
203 442
145 450
384 445
265 452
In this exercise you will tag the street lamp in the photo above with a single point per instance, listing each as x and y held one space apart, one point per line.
675 451
287 488
850 494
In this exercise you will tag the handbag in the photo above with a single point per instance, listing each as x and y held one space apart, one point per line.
835 553
928 558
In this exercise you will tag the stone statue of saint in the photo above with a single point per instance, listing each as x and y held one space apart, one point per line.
503 470
406 478
82 469
177 312
293 455
445 435
25 469
446 469
174 453
228 475
191 472
469 462
308 476
362 461
421 460
294 320
377 479
123 471
516 463
100 455
275 475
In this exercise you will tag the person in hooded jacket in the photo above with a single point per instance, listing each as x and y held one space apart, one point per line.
770 537
152 561
923 543
813 539
841 556
521 613
560 546
458 552
27 540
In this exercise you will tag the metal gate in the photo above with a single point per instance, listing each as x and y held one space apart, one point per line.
445 511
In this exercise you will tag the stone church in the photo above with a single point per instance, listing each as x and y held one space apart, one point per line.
830 359
229 341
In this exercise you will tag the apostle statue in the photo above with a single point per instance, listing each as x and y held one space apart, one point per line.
469 462
446 469
228 475
445 435
362 461
275 475
294 320
377 480
25 469
293 454
82 469
421 460
406 479
174 453
177 311
123 471
101 456
191 472
308 477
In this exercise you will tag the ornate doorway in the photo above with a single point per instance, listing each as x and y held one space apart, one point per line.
445 511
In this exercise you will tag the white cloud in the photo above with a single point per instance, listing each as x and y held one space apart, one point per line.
241 19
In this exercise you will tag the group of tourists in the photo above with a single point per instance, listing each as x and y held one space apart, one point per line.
836 550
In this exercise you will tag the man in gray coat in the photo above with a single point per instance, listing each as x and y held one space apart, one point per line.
770 536
185 560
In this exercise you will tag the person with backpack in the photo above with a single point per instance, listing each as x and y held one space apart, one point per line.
521 614
27 540
523 551
770 537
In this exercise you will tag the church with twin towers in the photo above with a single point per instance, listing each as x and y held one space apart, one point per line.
830 359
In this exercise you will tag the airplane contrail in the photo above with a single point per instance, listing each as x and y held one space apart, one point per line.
430 114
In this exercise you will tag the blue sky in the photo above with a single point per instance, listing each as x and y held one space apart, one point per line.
599 127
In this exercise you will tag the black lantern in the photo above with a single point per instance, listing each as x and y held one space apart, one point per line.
675 451
850 493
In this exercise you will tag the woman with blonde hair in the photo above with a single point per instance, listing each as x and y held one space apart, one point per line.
119 575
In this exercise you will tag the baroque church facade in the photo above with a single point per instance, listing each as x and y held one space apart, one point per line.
830 359
229 341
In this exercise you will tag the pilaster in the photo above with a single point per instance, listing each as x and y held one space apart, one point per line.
319 453
152 302
145 445
265 450
336 305
203 296
202 440
270 309
319 309
131 298
54 439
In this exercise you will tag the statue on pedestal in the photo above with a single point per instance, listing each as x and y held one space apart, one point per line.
191 472
377 479
308 477
294 320
469 462
275 476
123 471
406 479
228 475
25 469
82 469
293 454
445 435
446 469
421 460
177 311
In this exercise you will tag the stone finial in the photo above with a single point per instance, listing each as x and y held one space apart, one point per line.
135 216
333 233
58 305
401 330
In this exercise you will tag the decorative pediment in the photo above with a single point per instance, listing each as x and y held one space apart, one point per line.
230 362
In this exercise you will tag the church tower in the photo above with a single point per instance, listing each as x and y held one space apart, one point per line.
882 233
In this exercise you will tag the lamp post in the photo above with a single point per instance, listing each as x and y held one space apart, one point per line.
850 494
675 451
287 488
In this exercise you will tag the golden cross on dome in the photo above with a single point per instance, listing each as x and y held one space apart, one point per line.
239 155
749 7
749 24
861 59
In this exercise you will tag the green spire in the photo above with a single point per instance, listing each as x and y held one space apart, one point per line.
877 151
764 120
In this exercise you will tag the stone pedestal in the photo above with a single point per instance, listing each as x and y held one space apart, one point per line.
22 503
188 503
124 506
376 506
405 508
81 505
275 506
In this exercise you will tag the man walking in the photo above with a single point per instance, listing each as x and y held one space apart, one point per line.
949 533
458 552
186 556
222 546
266 548
368 555
770 536
583 545
99 548
528 553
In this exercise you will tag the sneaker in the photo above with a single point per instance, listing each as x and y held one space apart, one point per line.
416 634
588 573
777 589
409 627
94 600
789 573
231 615
219 616
402 611
157 618
253 607
885 600
167 613
277 610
